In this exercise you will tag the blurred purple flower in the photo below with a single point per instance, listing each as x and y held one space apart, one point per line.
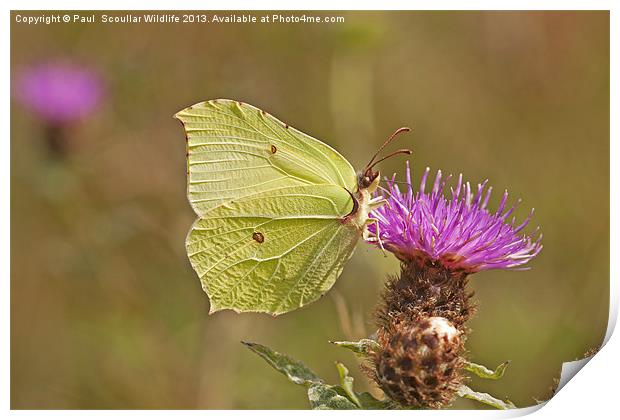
457 232
59 92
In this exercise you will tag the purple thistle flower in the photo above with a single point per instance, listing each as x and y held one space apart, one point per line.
459 232
59 92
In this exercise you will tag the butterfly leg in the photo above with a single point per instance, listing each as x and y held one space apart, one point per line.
376 202
377 236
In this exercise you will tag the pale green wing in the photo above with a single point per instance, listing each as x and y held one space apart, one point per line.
235 150
274 251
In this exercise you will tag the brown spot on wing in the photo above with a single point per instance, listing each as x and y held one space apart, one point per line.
258 237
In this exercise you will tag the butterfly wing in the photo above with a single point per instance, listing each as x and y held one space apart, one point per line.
273 251
235 150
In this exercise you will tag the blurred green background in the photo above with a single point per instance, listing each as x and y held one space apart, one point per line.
106 311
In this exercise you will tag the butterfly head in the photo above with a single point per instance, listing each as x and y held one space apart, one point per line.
368 179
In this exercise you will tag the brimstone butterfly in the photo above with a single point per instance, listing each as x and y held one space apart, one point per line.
279 212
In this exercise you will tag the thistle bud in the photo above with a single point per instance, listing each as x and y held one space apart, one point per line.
422 334
419 363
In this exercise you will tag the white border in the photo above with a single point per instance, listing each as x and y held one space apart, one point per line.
593 395
314 5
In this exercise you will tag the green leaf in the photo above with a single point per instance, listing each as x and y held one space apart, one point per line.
326 397
321 395
369 402
363 400
364 346
296 371
346 382
484 372
466 392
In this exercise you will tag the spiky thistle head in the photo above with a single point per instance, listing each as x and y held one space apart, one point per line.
423 312
458 232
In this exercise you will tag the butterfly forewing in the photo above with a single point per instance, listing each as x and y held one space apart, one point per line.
235 150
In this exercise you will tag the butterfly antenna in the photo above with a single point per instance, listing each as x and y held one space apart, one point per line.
388 141
398 152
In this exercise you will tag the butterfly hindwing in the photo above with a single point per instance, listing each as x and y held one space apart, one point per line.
273 251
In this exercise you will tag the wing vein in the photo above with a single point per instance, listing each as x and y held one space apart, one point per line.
278 138
299 278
